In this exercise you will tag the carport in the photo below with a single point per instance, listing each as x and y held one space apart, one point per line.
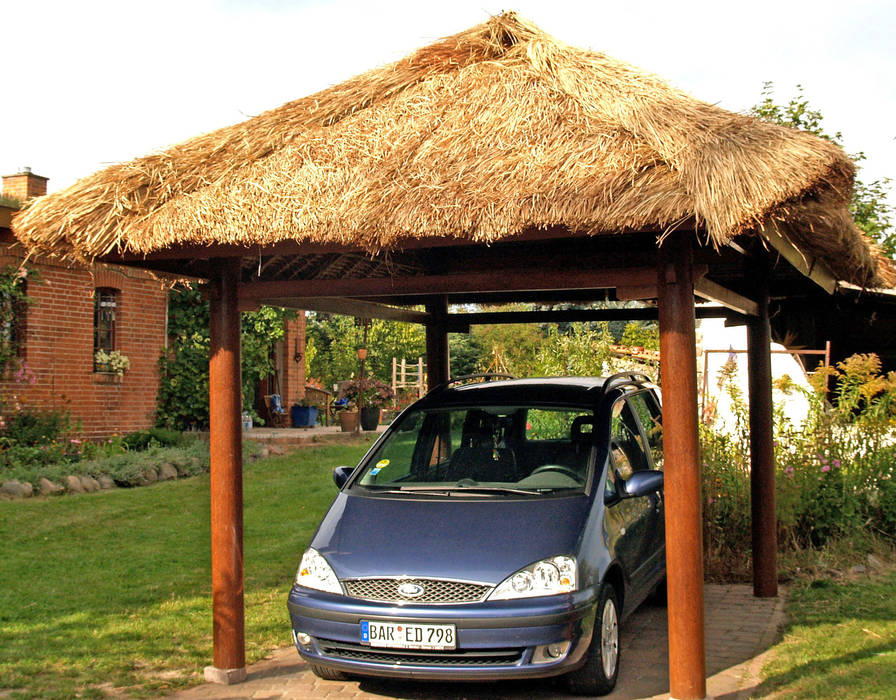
494 165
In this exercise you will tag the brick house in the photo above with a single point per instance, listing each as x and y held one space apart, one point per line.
74 311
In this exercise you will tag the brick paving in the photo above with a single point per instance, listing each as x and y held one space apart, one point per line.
739 629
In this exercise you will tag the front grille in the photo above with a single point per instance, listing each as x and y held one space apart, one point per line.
404 657
437 591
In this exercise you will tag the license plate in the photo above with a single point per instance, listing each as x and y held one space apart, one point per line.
398 635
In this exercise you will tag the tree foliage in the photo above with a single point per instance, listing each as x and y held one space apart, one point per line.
869 205
332 342
183 366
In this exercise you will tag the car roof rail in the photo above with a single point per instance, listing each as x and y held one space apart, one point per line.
482 377
620 379
469 379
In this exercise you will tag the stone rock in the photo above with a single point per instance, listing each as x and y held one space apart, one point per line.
858 569
106 482
264 452
196 461
150 475
276 450
17 489
72 484
89 484
875 563
48 488
167 472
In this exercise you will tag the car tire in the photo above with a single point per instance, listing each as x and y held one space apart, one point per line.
327 673
601 668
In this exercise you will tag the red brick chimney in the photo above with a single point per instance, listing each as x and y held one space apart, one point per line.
24 185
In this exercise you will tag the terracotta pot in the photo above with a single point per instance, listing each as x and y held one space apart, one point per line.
348 420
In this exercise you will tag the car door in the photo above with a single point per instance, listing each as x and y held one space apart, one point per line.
629 520
646 410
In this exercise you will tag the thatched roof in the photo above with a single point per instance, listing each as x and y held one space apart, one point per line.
479 136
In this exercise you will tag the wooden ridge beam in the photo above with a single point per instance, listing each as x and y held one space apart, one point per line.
518 279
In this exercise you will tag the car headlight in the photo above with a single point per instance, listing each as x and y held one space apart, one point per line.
315 572
546 577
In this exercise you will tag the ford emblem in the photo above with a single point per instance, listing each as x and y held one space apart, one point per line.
410 590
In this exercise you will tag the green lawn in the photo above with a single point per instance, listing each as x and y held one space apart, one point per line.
112 590
840 642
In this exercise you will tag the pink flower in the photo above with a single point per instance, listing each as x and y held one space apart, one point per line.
836 463
75 441
789 471
826 468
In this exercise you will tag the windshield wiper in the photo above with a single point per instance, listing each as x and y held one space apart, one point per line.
471 490
493 489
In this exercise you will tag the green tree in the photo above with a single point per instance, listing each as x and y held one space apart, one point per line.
183 366
869 205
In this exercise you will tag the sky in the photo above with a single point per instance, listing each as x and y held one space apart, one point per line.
91 83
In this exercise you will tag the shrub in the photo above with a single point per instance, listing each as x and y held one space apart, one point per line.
834 474
31 428
154 437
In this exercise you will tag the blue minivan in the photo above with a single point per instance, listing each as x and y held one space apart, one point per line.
497 529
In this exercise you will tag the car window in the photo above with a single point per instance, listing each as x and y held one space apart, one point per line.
521 447
648 411
627 452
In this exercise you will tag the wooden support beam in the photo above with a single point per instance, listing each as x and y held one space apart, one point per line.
225 438
349 307
497 280
712 291
437 364
762 452
811 267
460 322
684 526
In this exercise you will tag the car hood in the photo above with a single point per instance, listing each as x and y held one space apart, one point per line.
474 540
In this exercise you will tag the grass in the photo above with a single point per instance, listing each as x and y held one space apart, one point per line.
840 641
113 590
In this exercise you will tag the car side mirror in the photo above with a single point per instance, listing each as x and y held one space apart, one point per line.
643 483
341 475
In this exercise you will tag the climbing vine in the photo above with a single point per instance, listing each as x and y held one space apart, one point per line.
13 303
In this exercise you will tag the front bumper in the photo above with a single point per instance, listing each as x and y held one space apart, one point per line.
495 640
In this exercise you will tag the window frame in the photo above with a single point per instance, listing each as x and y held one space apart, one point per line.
105 330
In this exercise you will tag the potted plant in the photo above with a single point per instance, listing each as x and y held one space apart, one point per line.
111 362
371 395
303 414
348 416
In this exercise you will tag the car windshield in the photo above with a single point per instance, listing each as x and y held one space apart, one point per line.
492 451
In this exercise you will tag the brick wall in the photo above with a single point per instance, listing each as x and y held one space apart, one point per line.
58 349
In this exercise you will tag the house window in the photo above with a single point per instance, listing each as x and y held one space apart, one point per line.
105 311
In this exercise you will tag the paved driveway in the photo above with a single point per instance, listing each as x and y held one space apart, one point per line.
739 628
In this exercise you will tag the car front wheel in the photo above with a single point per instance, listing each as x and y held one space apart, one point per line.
601 669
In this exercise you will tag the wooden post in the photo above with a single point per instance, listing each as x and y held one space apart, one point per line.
437 341
684 527
226 442
762 451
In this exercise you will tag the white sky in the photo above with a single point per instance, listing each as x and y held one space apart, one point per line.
95 82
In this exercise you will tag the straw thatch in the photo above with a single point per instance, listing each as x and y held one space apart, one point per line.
479 136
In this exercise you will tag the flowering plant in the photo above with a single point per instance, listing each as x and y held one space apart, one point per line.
111 361
368 392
